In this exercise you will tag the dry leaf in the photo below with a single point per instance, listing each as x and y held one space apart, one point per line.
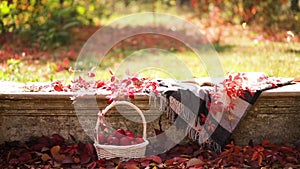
194 161
45 157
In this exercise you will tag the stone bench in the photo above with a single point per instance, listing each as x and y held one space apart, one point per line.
275 116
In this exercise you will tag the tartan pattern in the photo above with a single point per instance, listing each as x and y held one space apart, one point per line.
189 102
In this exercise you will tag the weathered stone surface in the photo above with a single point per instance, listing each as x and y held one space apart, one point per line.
272 118
275 116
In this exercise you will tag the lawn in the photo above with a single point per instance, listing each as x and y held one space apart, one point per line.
236 54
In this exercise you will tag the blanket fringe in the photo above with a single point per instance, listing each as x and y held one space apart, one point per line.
212 145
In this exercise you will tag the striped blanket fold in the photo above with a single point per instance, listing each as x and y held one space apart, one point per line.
188 104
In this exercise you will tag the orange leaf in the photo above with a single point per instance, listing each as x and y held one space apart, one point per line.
297 79
55 150
254 156
55 153
260 158
260 149
45 157
59 157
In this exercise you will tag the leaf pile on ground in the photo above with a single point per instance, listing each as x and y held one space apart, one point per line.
54 152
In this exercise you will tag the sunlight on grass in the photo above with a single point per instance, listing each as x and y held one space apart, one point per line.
275 59
272 58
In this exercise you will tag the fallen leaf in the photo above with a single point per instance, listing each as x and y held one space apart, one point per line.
57 139
55 154
67 160
194 161
85 158
45 157
55 150
14 161
145 163
25 157
76 160
132 166
92 165
155 159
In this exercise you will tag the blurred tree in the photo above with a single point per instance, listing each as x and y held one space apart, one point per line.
269 14
48 22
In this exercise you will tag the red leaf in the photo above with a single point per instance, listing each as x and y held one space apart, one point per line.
131 95
25 157
91 74
286 149
57 139
254 156
132 166
89 148
170 161
87 153
58 88
99 84
180 159
155 159
37 147
109 101
92 165
14 161
67 160
66 63
194 3
112 78
145 163
44 140
85 158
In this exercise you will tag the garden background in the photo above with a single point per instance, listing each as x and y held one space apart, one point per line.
40 40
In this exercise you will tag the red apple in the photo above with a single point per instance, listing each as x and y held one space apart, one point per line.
101 138
129 134
114 141
119 133
133 142
139 140
109 139
124 141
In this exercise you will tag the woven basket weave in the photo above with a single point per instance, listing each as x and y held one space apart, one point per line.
123 152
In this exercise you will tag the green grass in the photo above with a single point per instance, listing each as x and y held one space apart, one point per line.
273 58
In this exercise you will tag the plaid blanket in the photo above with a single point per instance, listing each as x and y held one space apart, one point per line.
188 103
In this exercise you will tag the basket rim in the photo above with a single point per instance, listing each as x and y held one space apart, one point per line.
143 144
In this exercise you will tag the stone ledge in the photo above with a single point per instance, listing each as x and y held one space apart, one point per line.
275 116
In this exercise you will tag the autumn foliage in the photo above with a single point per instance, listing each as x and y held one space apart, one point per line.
54 152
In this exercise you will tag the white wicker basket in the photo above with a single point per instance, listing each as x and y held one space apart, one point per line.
123 152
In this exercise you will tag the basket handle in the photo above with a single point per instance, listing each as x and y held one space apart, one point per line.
113 104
